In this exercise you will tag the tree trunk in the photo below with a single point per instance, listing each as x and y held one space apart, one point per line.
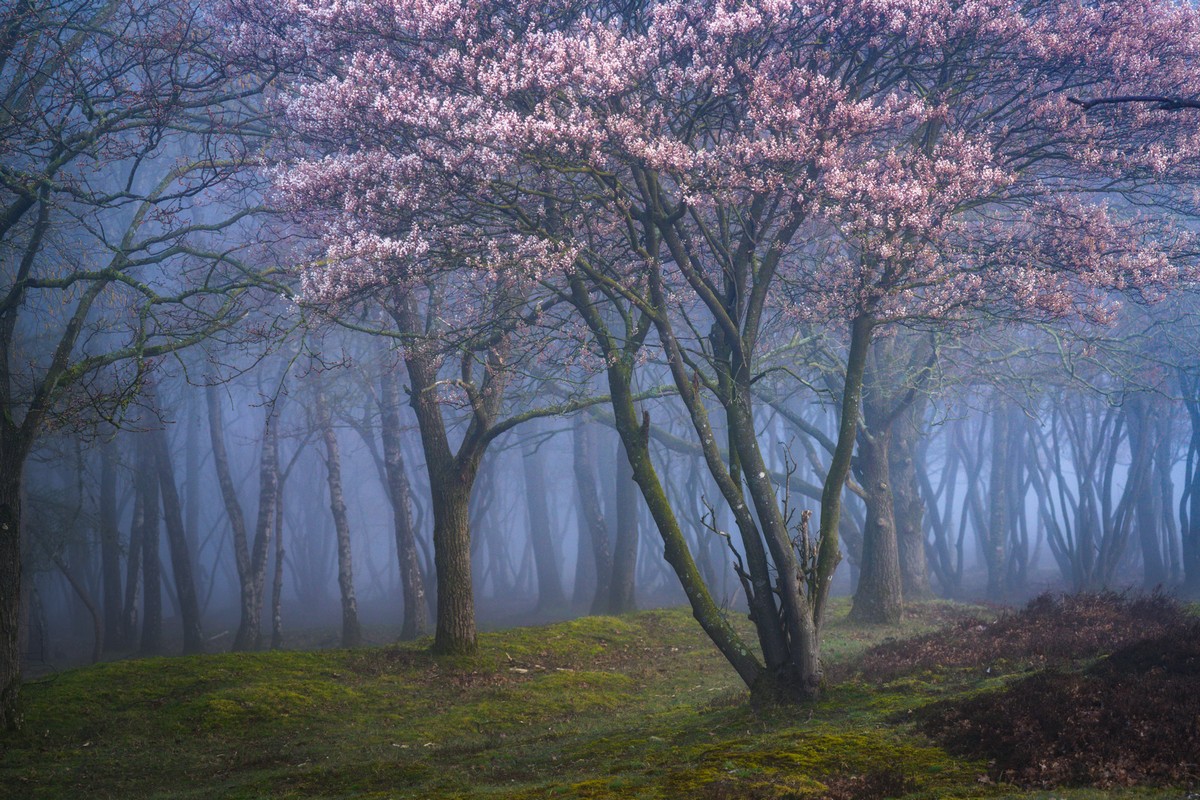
451 478
11 468
1138 411
908 506
251 564
351 632
277 580
622 597
110 546
591 517
416 620
181 558
249 635
550 592
129 616
452 562
996 528
151 643
878 598
635 441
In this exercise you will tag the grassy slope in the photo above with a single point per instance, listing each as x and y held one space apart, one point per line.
602 707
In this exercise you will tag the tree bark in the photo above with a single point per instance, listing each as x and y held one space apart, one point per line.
635 439
879 596
351 631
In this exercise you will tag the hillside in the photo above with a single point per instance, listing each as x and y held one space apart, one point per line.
602 707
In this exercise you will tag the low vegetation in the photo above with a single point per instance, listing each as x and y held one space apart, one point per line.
603 707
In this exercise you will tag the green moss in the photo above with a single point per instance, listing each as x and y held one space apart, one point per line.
640 706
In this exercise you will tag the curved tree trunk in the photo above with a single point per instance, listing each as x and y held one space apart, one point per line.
251 564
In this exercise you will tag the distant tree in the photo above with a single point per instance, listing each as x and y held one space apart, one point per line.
116 127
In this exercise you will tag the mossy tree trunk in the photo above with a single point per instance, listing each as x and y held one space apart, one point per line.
620 353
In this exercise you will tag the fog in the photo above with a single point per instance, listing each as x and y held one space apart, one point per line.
287 365
1092 476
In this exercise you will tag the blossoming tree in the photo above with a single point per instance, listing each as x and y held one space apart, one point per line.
693 175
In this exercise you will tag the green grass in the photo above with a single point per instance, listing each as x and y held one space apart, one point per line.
631 707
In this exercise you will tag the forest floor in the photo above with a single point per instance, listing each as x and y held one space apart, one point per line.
640 706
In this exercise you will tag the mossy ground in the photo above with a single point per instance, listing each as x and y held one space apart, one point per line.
631 707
